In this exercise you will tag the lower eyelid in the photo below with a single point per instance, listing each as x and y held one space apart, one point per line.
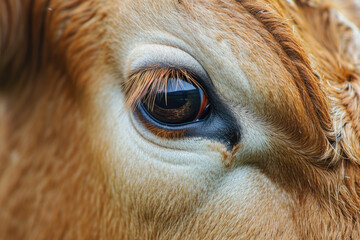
220 126
168 134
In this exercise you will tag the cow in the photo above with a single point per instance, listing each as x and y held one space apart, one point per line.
179 119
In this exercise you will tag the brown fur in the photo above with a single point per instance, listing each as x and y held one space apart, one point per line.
53 182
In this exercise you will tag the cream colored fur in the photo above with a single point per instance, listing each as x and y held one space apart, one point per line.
76 164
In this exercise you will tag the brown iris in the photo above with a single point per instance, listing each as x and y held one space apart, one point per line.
178 102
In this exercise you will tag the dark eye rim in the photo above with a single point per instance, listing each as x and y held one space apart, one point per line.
219 125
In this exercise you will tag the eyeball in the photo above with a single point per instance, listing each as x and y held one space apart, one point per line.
177 102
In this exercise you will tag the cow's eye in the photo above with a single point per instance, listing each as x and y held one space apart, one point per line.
176 101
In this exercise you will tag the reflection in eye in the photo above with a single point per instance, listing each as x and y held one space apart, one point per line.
168 95
178 102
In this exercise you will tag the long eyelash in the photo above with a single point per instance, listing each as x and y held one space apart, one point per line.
150 79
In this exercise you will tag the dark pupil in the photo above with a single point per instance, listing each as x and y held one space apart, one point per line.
180 104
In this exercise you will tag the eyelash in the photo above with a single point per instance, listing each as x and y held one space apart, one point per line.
149 78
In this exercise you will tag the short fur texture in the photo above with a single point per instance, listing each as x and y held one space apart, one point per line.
61 172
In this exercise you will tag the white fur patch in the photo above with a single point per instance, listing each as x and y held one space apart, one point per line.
149 54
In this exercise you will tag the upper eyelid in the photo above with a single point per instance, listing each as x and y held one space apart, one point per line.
153 54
